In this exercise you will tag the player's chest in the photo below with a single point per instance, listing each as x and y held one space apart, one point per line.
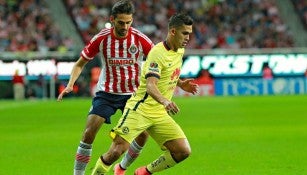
120 48
120 53
171 70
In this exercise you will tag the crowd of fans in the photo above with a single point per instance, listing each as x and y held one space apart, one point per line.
225 24
26 25
301 7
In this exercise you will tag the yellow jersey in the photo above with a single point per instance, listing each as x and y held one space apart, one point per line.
165 64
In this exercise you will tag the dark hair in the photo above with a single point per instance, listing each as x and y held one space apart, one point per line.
179 19
122 7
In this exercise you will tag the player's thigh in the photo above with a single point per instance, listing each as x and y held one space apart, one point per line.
165 129
180 145
94 122
130 125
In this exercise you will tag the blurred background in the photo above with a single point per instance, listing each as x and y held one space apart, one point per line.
239 47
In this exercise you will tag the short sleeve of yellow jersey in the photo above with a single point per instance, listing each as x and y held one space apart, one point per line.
153 64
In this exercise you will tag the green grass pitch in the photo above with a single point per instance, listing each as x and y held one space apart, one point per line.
248 135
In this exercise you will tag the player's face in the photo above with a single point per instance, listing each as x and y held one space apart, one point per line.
182 36
121 24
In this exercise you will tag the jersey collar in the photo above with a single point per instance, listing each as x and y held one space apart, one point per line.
166 46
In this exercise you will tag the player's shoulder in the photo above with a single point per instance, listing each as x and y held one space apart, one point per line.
105 31
159 47
158 50
102 34
137 32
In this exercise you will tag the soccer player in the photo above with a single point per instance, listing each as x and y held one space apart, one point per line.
122 49
151 108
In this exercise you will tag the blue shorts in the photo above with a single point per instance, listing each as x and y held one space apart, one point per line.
105 104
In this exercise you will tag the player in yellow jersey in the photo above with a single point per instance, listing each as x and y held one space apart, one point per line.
151 107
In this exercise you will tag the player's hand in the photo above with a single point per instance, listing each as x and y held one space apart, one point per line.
65 91
171 107
188 86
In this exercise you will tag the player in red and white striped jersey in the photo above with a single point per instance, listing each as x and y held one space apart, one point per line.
121 49
120 57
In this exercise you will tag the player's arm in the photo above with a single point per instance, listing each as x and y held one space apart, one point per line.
188 85
75 73
154 92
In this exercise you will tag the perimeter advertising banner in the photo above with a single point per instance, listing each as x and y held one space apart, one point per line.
241 74
251 86
234 72
245 65
259 86
226 65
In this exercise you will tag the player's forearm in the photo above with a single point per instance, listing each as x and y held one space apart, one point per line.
154 92
73 77
75 72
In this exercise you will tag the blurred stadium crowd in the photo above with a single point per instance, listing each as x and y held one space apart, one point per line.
228 24
26 25
301 7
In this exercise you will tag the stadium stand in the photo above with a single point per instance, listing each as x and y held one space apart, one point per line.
301 7
26 25
226 24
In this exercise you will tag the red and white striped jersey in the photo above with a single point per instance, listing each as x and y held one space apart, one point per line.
121 59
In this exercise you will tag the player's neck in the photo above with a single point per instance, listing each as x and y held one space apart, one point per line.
169 45
117 36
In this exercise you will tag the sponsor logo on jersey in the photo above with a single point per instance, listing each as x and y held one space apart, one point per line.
153 66
120 61
175 74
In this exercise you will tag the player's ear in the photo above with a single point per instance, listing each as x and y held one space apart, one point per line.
173 31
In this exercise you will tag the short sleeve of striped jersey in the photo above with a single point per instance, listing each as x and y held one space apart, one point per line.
92 48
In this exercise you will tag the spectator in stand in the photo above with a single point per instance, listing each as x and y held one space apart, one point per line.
267 72
18 86
204 77
40 87
205 82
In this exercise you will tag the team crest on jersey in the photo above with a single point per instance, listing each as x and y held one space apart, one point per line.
133 49
125 130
